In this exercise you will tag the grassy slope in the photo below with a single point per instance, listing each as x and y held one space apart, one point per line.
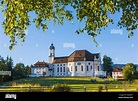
76 83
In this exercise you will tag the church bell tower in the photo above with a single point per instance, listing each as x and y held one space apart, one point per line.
51 53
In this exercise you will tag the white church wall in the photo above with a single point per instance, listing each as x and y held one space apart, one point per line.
60 69
40 71
81 68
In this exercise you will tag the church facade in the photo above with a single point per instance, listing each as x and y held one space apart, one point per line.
79 63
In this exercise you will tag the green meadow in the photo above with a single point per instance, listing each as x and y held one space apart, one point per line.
76 83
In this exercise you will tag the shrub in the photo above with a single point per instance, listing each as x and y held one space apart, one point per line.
93 80
61 88
27 87
100 88
136 89
14 84
24 84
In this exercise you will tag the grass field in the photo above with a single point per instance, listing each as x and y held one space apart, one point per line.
76 84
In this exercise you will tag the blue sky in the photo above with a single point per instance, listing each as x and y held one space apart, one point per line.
36 47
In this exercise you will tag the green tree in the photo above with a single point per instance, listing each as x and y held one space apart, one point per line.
26 70
6 65
129 71
107 65
136 74
3 67
18 71
96 15
9 63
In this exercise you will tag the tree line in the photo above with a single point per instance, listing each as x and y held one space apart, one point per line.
16 72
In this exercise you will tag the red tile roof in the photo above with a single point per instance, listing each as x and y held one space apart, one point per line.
117 69
60 60
78 55
40 64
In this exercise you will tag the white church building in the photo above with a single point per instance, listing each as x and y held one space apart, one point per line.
78 63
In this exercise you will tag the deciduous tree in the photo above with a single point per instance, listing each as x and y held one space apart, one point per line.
94 13
9 63
107 65
18 71
129 71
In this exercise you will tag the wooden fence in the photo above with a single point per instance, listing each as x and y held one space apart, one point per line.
25 89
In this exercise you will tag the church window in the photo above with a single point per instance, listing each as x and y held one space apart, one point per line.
91 67
87 68
63 64
89 63
98 68
60 69
60 64
75 68
78 63
57 64
81 68
64 69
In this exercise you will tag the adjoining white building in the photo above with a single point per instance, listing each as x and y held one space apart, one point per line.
42 69
79 63
117 73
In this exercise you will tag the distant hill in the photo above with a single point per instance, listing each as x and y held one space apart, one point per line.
120 65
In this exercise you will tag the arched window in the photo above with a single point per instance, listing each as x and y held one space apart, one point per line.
60 69
75 68
98 68
81 68
87 68
63 69
57 69
91 67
